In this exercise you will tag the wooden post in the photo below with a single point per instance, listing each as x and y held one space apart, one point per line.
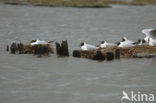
20 47
36 50
98 56
109 56
76 53
13 48
7 48
58 49
62 49
117 53
65 51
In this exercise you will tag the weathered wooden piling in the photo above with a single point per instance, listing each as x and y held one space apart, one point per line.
110 56
99 56
117 53
20 48
13 48
62 49
7 48
58 48
13 51
65 51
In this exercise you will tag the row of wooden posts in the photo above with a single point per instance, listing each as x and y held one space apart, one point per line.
15 47
62 50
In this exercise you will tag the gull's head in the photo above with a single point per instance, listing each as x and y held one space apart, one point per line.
82 44
118 43
143 41
124 39
102 42
139 40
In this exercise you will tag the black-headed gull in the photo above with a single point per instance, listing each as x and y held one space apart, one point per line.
152 42
147 34
150 36
105 44
84 46
125 45
124 39
37 42
140 42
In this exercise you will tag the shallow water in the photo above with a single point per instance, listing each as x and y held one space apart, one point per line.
29 79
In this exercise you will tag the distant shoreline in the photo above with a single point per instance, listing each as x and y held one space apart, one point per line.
77 3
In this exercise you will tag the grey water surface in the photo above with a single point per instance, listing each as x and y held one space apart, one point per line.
29 79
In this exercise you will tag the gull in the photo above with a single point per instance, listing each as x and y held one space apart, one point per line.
125 44
152 42
84 46
150 36
37 42
147 34
124 39
105 44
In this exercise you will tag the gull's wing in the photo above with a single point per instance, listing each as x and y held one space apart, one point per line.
91 47
153 34
110 44
146 32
